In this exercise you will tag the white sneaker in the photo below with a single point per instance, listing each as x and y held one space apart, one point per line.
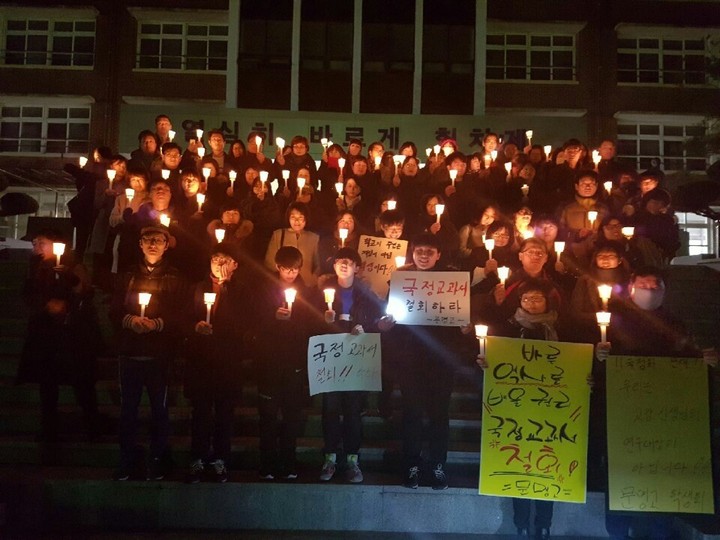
329 467
353 474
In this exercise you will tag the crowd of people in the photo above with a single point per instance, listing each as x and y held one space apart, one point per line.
216 237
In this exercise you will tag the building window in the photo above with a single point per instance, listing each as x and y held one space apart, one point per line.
652 144
44 129
35 42
448 38
662 61
701 232
530 57
182 46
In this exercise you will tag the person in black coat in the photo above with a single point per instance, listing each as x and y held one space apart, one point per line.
213 373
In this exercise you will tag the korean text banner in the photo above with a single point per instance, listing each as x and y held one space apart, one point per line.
658 435
536 402
430 298
378 261
344 362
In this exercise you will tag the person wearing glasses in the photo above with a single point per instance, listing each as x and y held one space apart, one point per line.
147 336
295 234
297 158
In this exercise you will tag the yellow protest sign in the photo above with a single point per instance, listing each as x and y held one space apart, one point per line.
536 401
658 425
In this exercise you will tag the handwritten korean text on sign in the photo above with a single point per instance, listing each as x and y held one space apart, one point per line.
344 362
658 435
430 298
378 261
536 401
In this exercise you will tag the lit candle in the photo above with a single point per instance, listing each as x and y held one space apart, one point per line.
378 160
399 261
436 149
83 161
503 274
329 143
200 200
171 135
233 177
258 142
428 151
487 159
143 300
329 297
129 194
290 297
596 158
529 135
628 232
525 190
453 176
447 150
201 152
608 186
439 209
481 332
300 183
209 299
603 319
165 173
548 150
508 168
165 220
341 163
391 205
490 245
58 250
592 216
199 133
206 173
264 176
339 188
493 154
343 234
605 291
528 233
220 235
324 142
559 248
111 176
280 142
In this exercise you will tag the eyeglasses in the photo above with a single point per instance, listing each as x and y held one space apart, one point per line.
153 240
537 253
500 235
533 299
289 270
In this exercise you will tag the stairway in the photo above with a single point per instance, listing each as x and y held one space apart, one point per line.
67 486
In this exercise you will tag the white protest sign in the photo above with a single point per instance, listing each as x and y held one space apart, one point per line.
430 298
344 362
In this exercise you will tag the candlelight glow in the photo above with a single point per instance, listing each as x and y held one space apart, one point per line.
559 247
608 186
165 173
300 183
341 163
206 172
436 149
396 309
111 173
547 149
493 155
129 194
201 152
199 133
264 176
258 141
329 297
428 151
508 167
503 274
628 232
171 135
391 205
529 134
339 187
280 142
453 175
324 142
165 220
439 209
209 297
83 161
399 261
220 235
481 330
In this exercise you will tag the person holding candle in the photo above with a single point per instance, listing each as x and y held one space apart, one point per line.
147 152
214 378
637 250
254 156
237 151
138 180
580 219
216 141
410 185
330 244
483 268
535 318
170 160
353 200
281 348
146 347
644 327
473 234
656 222
296 235
439 225
298 158
237 230
522 226
260 208
63 333
355 309
163 127
428 356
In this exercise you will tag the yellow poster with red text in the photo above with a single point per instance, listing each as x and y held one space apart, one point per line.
536 402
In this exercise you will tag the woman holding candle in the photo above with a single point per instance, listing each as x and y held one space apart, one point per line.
353 200
213 372
522 226
440 225
535 318
147 341
237 230
483 268
354 309
474 233
298 158
63 336
330 244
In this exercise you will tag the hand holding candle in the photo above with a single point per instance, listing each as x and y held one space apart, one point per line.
339 188
608 186
439 210
341 163
280 143
58 250
503 273
548 150
171 135
201 152
209 299
324 142
391 205
493 155
529 135
199 134
300 184
200 200
165 173
628 232
258 142
143 300
343 234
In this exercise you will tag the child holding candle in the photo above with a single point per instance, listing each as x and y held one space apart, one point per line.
146 347
281 348
213 371
355 309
